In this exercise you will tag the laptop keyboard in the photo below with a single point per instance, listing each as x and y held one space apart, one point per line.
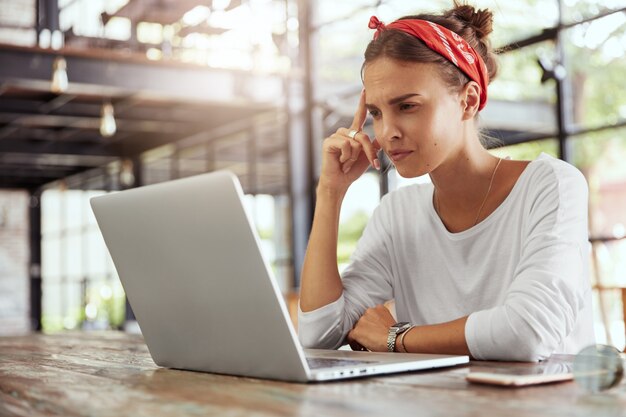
317 363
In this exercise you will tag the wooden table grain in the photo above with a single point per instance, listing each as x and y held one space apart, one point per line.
112 374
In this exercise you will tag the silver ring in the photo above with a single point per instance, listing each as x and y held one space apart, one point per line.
352 133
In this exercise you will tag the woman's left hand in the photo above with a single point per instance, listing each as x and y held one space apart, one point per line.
372 329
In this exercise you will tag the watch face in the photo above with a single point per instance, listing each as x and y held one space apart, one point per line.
402 325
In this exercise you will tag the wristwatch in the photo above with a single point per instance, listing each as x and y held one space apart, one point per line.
394 331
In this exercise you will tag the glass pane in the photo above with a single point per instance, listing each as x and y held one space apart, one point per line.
517 20
519 104
283 264
102 305
329 10
358 205
118 303
73 304
577 10
272 219
528 151
73 253
608 317
596 64
17 22
340 53
73 209
261 209
51 258
519 75
50 211
95 254
608 263
600 156
52 306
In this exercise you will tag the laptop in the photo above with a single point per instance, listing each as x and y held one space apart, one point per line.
189 259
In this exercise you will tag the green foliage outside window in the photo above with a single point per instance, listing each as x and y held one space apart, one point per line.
349 233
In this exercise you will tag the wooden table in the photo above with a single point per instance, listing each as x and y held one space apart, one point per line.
112 374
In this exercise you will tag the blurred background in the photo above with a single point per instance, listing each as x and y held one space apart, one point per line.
98 96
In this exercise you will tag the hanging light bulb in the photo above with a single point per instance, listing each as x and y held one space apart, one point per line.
56 40
45 38
108 126
59 75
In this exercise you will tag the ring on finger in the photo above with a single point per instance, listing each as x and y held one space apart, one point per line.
352 133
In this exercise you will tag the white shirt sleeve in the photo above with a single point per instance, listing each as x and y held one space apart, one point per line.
367 282
548 290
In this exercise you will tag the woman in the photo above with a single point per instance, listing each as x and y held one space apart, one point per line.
491 259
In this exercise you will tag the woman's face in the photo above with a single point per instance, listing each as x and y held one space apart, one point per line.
417 118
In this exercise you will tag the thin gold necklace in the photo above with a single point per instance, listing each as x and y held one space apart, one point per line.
493 175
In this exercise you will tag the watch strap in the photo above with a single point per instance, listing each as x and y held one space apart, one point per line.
393 334
391 339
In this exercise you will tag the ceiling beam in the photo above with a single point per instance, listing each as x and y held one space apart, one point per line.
108 73
43 173
93 123
57 148
44 159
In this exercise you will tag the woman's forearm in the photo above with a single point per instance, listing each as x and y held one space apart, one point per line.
320 281
447 338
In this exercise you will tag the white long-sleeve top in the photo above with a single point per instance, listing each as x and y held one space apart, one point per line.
522 274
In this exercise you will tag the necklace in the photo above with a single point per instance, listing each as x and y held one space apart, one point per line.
493 175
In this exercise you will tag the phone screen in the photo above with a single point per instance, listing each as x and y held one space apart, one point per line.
541 368
522 375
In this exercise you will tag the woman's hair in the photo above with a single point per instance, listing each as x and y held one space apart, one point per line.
471 24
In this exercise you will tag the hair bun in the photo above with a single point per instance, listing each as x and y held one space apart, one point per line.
479 20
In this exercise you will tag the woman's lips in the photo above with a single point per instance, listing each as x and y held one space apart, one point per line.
399 155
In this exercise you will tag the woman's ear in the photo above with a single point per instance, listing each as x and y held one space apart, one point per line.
470 100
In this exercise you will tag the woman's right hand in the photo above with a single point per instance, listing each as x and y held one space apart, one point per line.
344 159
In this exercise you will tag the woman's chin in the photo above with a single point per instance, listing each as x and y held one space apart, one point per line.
410 172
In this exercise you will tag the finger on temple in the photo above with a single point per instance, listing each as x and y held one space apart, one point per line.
361 113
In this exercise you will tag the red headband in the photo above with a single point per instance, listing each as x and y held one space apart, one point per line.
447 44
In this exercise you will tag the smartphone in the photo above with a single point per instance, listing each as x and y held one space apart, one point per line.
523 375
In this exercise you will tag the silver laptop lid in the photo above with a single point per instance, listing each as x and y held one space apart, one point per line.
189 259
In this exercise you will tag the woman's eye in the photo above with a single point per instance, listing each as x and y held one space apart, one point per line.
406 106
374 113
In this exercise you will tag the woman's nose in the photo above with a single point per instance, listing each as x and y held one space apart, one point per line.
389 130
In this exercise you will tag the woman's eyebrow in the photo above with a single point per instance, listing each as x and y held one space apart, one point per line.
394 100
398 99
